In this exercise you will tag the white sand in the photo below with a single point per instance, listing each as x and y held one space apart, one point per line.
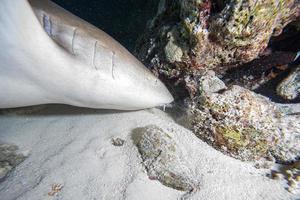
72 147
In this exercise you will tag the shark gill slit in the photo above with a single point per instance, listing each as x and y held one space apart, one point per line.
73 39
113 64
94 55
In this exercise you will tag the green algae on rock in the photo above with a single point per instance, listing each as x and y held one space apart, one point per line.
163 158
245 125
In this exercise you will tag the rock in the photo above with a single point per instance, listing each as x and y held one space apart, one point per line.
219 35
289 88
246 126
214 34
9 158
288 146
163 158
173 52
289 109
210 83
117 142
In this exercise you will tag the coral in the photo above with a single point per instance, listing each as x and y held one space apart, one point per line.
212 34
189 37
163 159
245 125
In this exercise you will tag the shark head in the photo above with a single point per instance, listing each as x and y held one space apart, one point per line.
49 55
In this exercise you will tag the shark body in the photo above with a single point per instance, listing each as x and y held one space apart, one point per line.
48 55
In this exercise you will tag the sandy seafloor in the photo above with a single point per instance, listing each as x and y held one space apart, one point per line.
72 147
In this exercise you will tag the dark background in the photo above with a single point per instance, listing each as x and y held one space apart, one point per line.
124 20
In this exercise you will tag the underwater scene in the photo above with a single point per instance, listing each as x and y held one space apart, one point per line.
150 99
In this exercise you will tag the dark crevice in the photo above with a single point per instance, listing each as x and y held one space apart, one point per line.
218 6
289 40
271 69
269 89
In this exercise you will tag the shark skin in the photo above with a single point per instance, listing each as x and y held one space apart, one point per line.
48 55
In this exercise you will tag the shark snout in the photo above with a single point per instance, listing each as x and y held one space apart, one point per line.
139 85
134 87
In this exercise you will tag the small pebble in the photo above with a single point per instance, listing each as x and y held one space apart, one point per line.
292 183
275 175
117 142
